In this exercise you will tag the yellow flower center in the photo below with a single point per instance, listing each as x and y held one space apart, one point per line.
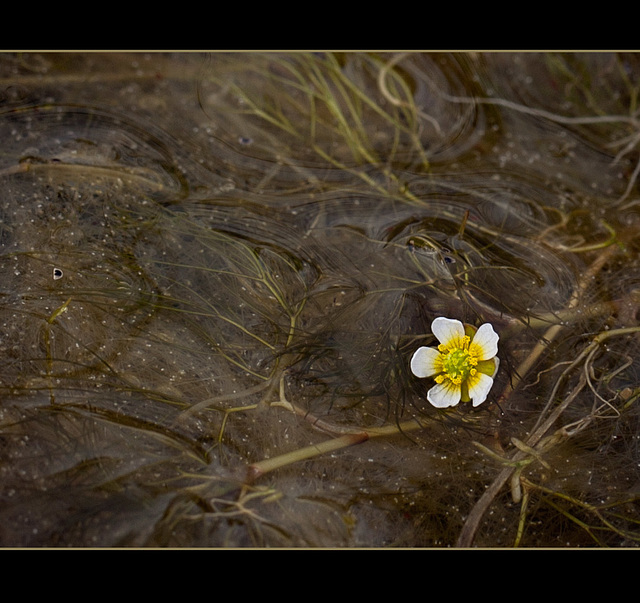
458 362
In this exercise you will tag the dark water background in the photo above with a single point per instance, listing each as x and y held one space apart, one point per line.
215 269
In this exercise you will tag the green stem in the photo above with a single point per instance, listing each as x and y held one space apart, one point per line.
257 470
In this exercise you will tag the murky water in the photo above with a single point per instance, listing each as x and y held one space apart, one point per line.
216 268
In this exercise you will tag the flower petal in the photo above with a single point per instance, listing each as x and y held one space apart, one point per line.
485 342
496 360
444 394
489 367
426 362
448 331
479 386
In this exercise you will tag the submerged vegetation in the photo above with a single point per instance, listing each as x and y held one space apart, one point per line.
216 277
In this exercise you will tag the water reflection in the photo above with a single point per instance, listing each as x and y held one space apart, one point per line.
216 268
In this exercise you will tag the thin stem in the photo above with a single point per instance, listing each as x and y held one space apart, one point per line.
467 534
472 522
256 470
552 332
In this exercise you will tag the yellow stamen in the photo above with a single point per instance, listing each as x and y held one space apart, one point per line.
458 361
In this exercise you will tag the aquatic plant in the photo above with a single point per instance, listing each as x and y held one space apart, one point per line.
223 355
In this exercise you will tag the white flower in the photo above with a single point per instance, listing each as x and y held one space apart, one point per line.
463 365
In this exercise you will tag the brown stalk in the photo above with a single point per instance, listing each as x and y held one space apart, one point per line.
467 534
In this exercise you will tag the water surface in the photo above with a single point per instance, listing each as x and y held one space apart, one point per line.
212 263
